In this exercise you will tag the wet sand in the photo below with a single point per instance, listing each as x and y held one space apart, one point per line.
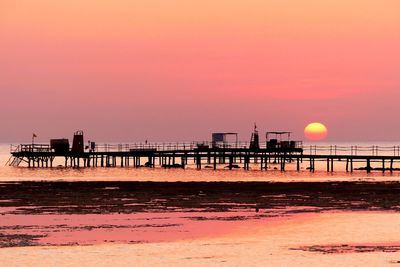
284 241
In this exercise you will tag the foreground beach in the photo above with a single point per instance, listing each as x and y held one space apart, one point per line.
199 223
344 239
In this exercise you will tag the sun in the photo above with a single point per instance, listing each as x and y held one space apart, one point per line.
316 131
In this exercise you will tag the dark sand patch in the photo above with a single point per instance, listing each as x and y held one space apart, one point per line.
345 248
131 197
19 240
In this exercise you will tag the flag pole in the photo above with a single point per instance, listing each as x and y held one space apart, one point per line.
33 138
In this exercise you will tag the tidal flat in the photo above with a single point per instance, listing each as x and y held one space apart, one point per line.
200 223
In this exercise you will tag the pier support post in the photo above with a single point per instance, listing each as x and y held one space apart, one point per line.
183 162
351 165
283 161
262 163
391 165
313 168
327 165
198 161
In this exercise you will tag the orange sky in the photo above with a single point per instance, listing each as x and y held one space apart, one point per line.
178 70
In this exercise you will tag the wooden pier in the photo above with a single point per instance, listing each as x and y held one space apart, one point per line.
204 155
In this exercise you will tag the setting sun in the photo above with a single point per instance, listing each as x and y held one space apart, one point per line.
316 131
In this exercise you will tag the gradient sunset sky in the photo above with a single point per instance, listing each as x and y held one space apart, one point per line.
178 70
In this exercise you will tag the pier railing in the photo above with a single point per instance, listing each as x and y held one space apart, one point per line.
351 150
167 146
30 148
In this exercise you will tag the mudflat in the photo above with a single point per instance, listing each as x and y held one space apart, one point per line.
129 197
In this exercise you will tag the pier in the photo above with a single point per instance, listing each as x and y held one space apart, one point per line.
180 155
275 153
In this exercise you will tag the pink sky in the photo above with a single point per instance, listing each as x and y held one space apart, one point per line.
178 70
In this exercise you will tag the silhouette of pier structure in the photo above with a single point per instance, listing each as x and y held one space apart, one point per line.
275 153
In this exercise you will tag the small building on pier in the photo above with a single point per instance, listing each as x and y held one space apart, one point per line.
221 139
281 142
